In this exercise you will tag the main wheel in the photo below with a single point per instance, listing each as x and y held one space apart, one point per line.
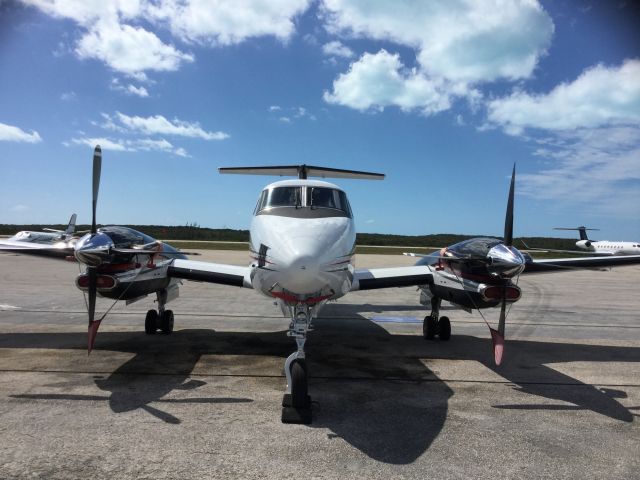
166 322
444 328
299 389
151 322
429 327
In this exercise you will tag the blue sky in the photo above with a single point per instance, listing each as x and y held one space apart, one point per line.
441 96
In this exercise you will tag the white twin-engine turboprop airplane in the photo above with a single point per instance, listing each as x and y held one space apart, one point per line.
302 247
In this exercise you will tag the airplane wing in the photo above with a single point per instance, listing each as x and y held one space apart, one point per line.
559 264
61 251
373 278
574 252
210 272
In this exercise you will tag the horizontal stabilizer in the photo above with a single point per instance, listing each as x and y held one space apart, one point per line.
303 172
575 228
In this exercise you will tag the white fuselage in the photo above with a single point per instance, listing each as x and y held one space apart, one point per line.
608 247
302 247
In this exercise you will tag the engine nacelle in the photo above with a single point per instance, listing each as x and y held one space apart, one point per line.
586 244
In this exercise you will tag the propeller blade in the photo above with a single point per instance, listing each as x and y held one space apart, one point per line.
497 336
93 324
503 316
97 167
498 345
508 220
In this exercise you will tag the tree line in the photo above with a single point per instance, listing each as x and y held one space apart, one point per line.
195 232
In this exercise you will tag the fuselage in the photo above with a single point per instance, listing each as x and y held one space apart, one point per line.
609 247
302 242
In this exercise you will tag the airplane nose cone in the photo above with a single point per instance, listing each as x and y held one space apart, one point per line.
93 250
505 262
303 274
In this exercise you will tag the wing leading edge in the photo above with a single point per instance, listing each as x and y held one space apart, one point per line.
558 264
210 272
374 278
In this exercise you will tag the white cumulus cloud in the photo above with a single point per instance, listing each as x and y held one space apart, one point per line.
129 89
227 22
9 133
466 40
379 80
118 32
158 124
129 49
131 145
105 143
138 91
337 49
600 96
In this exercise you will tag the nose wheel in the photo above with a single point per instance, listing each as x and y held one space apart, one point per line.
296 404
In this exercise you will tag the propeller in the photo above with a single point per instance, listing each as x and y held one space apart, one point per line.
497 336
92 271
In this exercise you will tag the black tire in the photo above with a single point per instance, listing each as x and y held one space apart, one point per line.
429 327
444 328
299 387
166 322
151 322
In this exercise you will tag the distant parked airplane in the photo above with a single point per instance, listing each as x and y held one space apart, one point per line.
50 242
603 247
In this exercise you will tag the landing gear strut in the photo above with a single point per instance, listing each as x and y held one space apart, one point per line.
161 319
434 324
296 403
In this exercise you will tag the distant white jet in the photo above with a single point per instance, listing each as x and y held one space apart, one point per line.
603 247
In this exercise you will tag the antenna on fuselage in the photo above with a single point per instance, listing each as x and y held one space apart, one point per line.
303 172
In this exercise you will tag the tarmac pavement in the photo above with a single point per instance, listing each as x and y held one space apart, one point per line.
205 401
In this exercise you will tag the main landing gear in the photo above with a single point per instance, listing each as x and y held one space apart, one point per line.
434 324
296 403
159 320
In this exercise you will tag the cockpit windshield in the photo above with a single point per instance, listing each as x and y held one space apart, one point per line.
331 201
280 197
124 237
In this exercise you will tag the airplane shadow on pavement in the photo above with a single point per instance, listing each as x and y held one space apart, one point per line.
369 387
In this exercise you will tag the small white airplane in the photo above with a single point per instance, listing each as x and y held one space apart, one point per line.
603 247
302 245
50 242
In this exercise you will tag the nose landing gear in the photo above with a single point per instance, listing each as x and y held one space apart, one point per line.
296 402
